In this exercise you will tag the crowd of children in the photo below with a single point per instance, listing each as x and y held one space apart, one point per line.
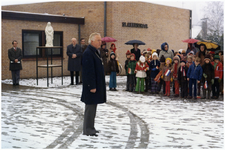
182 72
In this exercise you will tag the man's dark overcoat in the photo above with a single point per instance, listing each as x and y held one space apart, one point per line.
93 77
74 64
15 54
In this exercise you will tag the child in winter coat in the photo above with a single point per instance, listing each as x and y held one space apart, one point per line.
131 72
175 67
194 76
162 64
141 68
126 65
218 74
167 76
208 76
147 72
182 78
154 67
113 69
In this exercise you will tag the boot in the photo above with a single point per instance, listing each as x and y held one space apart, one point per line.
204 94
209 93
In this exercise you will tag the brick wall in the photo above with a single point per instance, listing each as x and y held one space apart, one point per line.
165 24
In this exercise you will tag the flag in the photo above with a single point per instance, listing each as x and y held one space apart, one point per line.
205 85
158 76
167 73
129 70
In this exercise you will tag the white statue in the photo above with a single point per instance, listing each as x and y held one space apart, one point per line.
49 33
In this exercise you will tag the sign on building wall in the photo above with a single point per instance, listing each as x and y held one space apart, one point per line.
134 25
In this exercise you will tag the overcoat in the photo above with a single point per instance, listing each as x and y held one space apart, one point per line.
167 54
136 53
93 77
74 64
15 54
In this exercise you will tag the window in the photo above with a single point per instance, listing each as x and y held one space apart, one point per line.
32 39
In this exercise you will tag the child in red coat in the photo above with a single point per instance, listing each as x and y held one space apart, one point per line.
218 74
140 70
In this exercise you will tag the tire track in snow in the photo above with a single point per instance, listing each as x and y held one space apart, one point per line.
134 119
79 121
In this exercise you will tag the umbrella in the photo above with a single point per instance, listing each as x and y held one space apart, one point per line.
190 41
210 45
108 39
135 42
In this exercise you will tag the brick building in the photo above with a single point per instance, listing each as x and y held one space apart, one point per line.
154 24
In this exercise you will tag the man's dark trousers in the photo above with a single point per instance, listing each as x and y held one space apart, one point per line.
15 76
89 119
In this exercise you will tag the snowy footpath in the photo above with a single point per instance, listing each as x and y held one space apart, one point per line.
37 117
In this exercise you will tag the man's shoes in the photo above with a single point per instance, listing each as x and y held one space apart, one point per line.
203 98
114 89
93 135
71 84
110 89
97 131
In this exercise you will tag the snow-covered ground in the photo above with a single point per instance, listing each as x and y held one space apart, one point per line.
40 118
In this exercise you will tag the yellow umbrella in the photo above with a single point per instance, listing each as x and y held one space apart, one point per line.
210 45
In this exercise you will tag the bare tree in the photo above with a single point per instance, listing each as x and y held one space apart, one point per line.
214 13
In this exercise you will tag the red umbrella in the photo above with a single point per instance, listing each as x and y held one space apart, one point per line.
108 39
190 41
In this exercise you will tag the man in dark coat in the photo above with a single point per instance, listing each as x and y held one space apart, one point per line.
74 52
94 87
15 57
83 46
136 51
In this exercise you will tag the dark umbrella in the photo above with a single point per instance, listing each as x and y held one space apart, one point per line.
210 45
190 41
108 39
132 42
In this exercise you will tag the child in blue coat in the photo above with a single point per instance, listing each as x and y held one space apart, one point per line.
194 76
154 67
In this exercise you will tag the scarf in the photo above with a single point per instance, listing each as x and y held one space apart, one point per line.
215 64
175 70
182 70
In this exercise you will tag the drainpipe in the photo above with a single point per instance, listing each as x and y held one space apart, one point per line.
105 9
190 23
79 33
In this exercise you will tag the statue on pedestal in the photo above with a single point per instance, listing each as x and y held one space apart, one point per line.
49 33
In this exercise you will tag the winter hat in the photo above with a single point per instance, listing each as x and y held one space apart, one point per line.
112 53
183 52
217 57
149 49
132 54
142 59
176 58
153 50
169 60
191 52
180 51
212 52
154 54
207 57
128 52
183 61
144 51
162 59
